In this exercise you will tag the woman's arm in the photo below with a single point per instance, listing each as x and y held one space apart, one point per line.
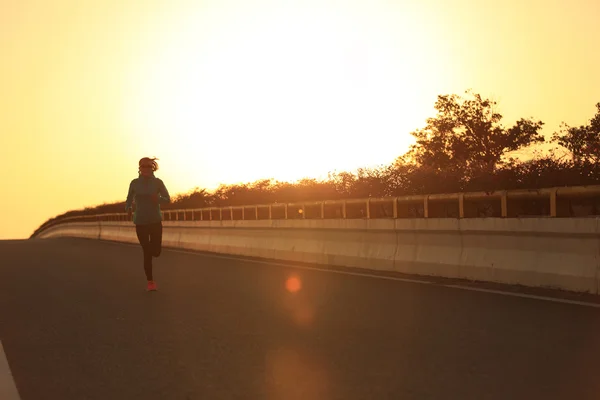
130 195
163 193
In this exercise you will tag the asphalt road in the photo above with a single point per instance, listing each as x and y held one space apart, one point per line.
76 323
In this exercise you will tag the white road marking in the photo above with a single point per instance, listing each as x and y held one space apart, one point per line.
391 278
8 389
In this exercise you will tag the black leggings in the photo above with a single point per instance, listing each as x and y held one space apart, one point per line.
150 237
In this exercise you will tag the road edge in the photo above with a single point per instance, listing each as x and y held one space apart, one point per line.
8 388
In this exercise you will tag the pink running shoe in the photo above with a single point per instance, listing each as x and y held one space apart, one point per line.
151 286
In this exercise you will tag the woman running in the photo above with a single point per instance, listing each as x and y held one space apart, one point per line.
149 192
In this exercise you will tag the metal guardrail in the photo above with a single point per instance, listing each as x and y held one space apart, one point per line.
506 203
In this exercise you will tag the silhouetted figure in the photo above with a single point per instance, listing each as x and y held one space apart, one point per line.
148 192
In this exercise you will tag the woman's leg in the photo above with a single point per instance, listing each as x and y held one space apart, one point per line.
143 234
156 239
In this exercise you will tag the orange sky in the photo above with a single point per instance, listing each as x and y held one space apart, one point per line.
237 90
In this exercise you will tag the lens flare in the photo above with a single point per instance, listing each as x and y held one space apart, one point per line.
293 284
296 373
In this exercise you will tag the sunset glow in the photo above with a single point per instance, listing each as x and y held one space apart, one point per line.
234 91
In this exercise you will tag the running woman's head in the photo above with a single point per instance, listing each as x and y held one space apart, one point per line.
147 166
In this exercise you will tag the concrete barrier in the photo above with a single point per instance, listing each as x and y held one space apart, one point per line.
540 252
89 230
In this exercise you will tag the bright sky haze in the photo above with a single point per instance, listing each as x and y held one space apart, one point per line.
226 91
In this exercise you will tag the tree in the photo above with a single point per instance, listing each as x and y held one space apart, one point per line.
583 141
196 198
466 136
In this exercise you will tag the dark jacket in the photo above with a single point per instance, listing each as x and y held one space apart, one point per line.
140 190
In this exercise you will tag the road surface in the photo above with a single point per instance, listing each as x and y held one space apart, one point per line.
76 323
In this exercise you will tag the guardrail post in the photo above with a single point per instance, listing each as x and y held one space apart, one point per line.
210 210
303 211
368 208
270 211
344 214
395 207
426 207
553 202
231 213
504 204
243 212
322 210
220 213
461 205
256 212
286 211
